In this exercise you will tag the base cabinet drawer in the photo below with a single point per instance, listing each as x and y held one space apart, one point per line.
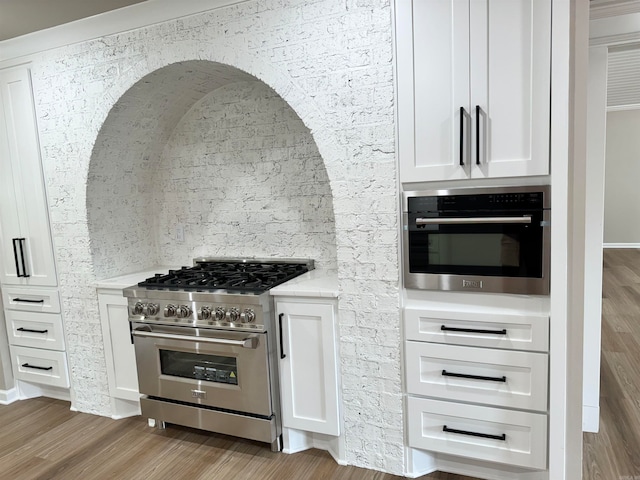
38 330
45 300
503 378
35 365
478 329
485 433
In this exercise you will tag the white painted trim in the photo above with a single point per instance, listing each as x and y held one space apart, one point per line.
590 418
614 30
594 228
610 9
9 396
621 245
127 18
620 108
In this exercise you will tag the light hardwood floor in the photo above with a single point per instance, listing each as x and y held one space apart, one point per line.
41 439
614 452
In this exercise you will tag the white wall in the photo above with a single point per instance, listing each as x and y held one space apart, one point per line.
331 62
622 171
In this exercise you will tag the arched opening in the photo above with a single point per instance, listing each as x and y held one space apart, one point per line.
200 158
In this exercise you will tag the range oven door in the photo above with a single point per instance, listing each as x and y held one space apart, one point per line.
213 368
499 251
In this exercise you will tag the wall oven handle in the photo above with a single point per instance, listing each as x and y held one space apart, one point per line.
472 220
251 342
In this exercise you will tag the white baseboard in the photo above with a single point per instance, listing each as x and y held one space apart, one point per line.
590 418
9 396
621 245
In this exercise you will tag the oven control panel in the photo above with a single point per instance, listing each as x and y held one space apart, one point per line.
198 314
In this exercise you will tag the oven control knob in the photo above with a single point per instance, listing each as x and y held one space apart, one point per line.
248 316
233 314
204 313
183 311
150 309
219 314
137 308
170 310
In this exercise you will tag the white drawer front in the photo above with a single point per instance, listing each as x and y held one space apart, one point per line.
44 300
515 332
476 375
31 329
40 366
517 438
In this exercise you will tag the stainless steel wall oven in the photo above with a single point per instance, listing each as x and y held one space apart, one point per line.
478 239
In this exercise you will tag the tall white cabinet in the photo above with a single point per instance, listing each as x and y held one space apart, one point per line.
27 268
27 252
473 88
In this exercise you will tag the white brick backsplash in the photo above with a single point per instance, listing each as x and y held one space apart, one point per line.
290 153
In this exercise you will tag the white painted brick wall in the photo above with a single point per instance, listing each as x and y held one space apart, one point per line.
330 60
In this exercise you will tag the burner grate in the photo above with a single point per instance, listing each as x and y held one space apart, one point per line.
239 277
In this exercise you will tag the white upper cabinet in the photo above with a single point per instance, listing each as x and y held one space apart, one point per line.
473 88
25 240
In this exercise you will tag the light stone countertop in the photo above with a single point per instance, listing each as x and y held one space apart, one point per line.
124 281
315 283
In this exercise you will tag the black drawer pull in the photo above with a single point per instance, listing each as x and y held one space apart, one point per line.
21 329
474 377
26 365
502 437
26 300
444 328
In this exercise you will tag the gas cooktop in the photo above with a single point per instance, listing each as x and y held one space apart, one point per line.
229 274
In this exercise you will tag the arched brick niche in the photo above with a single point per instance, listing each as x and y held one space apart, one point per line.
199 158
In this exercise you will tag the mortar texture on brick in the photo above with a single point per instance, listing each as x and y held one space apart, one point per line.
331 61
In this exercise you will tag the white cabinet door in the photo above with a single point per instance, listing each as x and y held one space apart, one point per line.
510 43
308 367
23 204
473 88
433 86
122 373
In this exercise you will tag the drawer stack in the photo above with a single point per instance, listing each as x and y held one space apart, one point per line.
477 385
36 335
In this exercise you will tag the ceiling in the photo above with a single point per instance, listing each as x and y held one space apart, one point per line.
19 17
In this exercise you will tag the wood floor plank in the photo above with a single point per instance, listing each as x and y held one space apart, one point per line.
614 452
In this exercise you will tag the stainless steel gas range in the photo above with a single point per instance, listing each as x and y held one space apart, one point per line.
205 343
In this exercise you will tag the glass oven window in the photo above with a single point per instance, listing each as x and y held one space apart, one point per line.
509 250
212 368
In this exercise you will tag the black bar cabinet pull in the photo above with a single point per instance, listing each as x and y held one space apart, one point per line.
24 268
31 331
444 328
26 365
26 300
502 437
15 255
282 354
478 112
462 112
19 243
474 377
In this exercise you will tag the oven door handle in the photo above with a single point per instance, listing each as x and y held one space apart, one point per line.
251 342
472 220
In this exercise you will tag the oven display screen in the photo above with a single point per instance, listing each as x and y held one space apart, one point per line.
211 368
